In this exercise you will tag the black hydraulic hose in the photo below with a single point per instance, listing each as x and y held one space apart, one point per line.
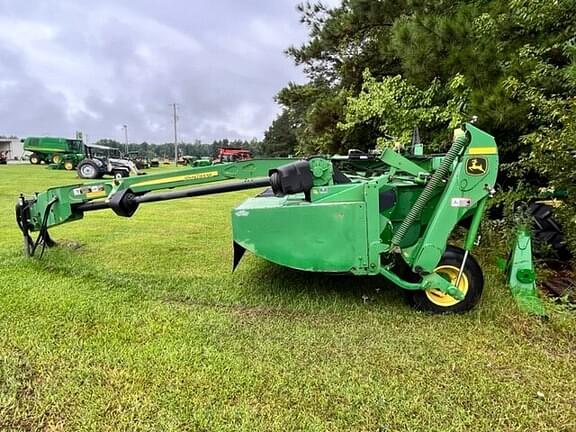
206 190
91 206
430 189
43 234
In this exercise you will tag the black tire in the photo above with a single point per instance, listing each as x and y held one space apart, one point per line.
35 159
547 230
88 169
472 282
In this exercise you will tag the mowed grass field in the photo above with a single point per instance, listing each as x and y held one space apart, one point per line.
139 324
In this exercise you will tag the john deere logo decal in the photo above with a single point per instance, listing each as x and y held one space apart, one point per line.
476 166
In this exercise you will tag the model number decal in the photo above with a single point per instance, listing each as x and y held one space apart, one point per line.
90 191
461 202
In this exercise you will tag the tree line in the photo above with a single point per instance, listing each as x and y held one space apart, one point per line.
197 149
377 69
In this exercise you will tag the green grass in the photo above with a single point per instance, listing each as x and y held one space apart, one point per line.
139 324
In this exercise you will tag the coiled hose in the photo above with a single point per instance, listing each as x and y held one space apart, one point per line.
430 189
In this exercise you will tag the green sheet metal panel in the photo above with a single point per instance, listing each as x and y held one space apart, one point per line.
297 234
52 145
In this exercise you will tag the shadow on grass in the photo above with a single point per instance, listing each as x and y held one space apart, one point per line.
257 283
262 279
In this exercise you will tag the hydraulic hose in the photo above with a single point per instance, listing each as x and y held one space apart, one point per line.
430 189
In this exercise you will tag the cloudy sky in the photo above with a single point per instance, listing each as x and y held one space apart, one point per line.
68 65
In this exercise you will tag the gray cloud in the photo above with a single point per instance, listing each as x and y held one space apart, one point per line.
93 66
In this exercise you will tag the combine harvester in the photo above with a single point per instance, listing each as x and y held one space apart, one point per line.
385 215
62 152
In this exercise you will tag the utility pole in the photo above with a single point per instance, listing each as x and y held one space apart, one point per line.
126 138
175 113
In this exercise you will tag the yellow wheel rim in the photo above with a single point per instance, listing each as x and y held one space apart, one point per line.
450 273
69 166
56 159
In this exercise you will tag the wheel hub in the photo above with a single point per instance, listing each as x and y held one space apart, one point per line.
87 171
450 273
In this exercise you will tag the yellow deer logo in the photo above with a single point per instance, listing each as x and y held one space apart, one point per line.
476 166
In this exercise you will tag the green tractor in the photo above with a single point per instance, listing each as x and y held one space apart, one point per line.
63 153
386 215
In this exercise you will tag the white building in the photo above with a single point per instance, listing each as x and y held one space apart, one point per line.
14 147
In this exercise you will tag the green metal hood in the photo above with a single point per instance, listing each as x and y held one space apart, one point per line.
289 231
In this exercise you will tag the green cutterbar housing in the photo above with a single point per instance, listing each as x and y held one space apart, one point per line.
352 227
